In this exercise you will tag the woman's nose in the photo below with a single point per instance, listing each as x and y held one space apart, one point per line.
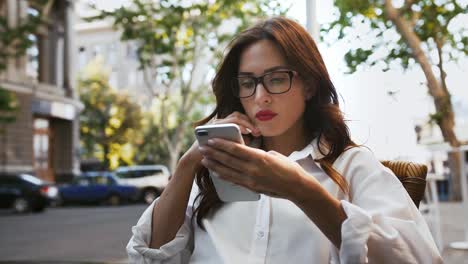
262 95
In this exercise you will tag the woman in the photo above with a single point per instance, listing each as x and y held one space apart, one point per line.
324 199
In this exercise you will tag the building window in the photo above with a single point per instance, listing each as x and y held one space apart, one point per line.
42 149
32 56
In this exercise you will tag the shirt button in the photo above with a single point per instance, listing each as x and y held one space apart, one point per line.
260 234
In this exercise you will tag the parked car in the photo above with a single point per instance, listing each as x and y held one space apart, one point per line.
97 187
150 179
24 193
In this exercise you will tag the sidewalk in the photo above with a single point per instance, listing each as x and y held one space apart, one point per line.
453 230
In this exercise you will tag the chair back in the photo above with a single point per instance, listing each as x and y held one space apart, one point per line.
412 176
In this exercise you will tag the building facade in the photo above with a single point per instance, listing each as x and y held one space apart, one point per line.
44 139
99 39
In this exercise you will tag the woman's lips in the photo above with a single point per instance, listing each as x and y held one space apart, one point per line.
265 115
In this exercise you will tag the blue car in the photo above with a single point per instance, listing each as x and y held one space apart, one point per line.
97 187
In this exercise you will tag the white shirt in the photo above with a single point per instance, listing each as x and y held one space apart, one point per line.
383 225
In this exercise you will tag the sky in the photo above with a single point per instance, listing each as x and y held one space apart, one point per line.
382 122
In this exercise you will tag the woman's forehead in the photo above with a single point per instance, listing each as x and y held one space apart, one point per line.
260 57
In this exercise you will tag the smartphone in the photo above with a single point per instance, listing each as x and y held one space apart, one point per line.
227 191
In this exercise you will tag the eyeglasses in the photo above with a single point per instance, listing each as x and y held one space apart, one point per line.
276 82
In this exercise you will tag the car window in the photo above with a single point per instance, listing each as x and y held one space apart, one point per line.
144 173
137 173
102 180
82 181
9 181
134 174
31 179
152 172
123 174
111 180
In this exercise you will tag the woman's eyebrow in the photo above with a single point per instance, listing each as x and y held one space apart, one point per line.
280 67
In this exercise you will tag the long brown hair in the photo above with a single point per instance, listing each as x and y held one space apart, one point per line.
323 117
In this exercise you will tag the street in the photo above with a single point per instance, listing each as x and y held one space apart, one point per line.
100 234
68 234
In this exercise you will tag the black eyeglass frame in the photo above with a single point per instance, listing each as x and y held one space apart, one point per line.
235 89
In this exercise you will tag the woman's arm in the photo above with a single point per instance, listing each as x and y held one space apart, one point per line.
274 174
320 206
169 212
379 222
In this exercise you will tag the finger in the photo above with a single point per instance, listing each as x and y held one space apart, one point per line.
271 194
224 172
243 120
242 124
276 154
247 153
225 158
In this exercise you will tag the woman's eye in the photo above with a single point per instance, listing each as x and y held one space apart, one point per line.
277 80
246 84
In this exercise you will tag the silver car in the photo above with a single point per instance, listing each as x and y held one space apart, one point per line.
150 179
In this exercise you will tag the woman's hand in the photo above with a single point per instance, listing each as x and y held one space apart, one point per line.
264 172
246 127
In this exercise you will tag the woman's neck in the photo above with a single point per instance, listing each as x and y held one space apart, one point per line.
292 140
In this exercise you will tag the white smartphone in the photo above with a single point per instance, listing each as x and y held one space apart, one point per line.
227 191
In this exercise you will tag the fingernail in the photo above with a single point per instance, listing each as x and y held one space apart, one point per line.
248 130
210 142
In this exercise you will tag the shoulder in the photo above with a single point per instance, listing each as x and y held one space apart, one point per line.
358 156
359 164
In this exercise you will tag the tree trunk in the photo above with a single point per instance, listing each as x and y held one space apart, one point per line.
106 150
444 116
176 146
173 159
3 134
446 122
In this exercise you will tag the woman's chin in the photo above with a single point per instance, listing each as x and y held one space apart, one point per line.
268 132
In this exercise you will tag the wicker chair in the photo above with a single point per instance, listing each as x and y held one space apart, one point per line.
411 175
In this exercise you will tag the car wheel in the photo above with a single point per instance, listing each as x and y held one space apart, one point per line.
21 205
150 195
39 209
113 200
57 202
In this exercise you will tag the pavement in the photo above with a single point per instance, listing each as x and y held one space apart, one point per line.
68 235
72 235
453 218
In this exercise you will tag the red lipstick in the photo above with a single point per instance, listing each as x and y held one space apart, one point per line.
265 115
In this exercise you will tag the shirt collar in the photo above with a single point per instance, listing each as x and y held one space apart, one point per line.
310 149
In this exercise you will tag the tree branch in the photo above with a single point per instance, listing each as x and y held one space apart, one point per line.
407 5
440 64
148 82
415 45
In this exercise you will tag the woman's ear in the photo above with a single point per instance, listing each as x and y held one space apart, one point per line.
309 92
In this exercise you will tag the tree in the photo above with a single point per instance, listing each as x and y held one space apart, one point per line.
150 149
110 121
8 108
178 48
424 36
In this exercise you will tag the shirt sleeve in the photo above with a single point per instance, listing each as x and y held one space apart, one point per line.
383 224
176 251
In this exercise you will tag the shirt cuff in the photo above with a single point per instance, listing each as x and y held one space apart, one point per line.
166 251
138 246
355 232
